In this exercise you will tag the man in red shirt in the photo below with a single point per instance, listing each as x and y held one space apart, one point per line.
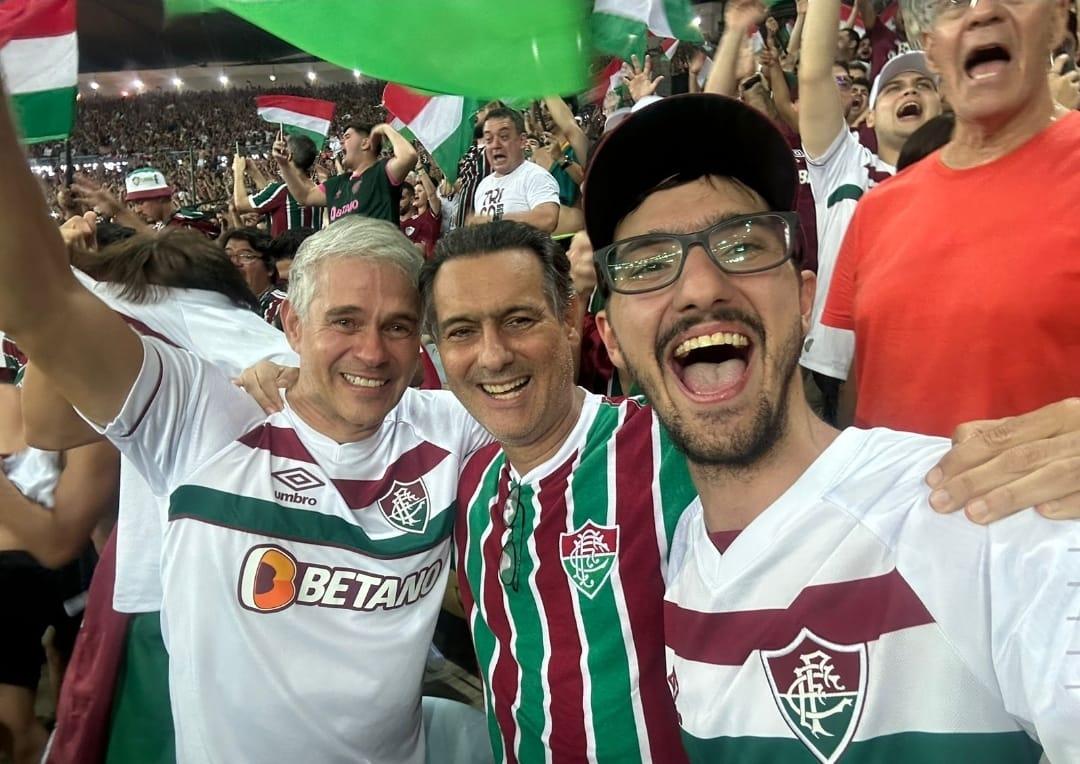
421 211
971 313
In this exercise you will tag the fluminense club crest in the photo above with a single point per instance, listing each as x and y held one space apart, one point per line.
588 554
819 687
406 506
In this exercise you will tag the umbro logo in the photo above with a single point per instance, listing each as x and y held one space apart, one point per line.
298 479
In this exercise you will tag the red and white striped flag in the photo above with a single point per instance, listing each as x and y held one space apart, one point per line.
297 115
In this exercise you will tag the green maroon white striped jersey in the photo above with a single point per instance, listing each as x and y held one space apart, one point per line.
573 654
851 623
301 576
284 211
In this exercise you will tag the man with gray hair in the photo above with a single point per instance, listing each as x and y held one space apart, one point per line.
305 552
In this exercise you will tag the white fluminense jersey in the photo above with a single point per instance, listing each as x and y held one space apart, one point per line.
850 622
302 577
838 179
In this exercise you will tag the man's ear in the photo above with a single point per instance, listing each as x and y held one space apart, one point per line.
291 323
611 342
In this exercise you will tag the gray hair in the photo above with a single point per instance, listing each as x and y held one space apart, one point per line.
352 236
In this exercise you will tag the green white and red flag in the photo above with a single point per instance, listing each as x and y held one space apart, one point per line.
297 115
442 123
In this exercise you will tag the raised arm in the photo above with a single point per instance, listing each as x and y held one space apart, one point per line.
91 356
302 189
564 120
868 13
821 113
739 17
404 153
791 58
48 420
96 197
781 93
434 202
240 194
544 216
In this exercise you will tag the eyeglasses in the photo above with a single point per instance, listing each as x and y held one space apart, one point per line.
510 557
952 9
737 246
243 257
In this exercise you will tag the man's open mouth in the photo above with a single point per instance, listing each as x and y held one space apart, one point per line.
507 390
987 61
713 365
909 110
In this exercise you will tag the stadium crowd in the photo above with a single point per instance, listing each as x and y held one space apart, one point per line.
724 415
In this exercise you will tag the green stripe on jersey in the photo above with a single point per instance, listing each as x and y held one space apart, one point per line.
617 736
530 641
921 747
847 191
677 490
479 527
269 518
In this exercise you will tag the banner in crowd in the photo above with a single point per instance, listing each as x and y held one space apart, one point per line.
39 58
442 124
461 47
298 116
620 27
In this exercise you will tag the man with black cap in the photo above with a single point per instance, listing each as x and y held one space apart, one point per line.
815 605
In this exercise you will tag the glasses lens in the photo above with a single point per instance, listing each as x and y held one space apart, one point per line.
644 264
754 244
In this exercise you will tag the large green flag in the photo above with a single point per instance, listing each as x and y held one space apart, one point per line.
461 47
621 27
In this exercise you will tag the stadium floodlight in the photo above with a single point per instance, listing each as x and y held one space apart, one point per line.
177 82
223 80
137 84
697 21
311 76
356 73
273 78
123 94
94 85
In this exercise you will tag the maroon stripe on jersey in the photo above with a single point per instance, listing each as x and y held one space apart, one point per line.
407 468
469 481
642 583
279 441
145 330
568 739
847 612
504 676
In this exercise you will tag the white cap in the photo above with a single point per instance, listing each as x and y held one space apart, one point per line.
915 61
146 183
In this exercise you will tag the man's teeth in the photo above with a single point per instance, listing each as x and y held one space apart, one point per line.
711 340
352 379
505 387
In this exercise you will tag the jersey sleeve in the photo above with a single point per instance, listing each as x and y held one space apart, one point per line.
270 198
1035 626
839 310
839 173
179 413
541 188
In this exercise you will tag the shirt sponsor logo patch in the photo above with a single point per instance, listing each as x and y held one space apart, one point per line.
819 688
588 555
406 506
272 579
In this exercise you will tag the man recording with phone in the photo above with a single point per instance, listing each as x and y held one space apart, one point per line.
369 186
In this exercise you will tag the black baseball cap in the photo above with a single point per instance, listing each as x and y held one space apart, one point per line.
685 136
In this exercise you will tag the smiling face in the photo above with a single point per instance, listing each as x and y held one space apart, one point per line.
906 102
508 355
503 145
715 354
993 58
358 346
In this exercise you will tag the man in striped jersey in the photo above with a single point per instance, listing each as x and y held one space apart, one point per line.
304 552
563 526
274 198
817 610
